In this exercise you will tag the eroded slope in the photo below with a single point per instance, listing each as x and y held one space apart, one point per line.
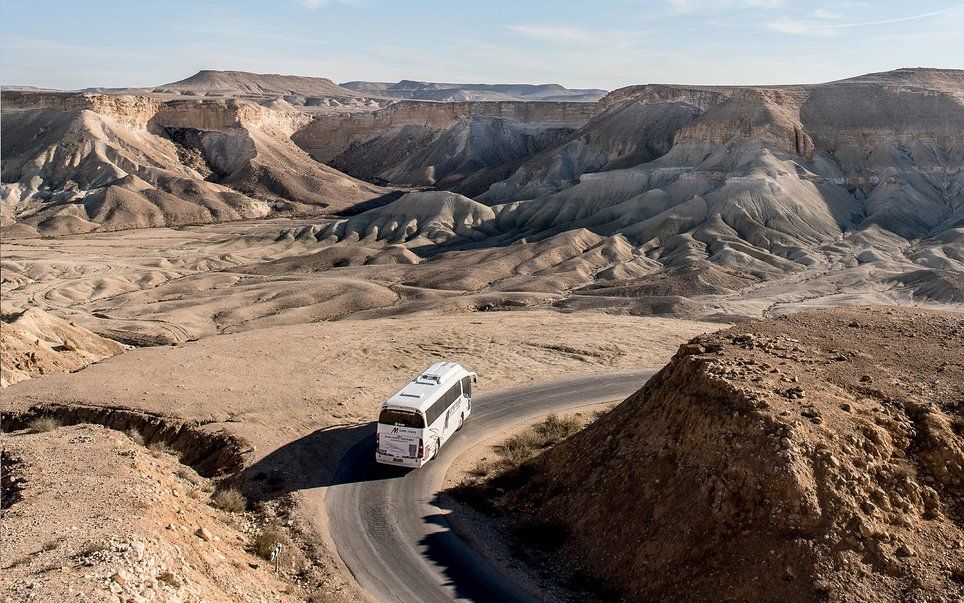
815 455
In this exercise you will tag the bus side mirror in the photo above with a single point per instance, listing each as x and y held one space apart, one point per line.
475 379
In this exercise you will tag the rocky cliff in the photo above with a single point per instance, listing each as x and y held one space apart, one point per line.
133 111
441 144
813 457
247 146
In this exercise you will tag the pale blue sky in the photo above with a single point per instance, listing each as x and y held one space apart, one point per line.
604 44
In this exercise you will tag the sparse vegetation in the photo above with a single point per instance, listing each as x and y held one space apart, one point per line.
555 429
160 447
522 446
135 436
321 596
168 578
43 425
50 545
487 479
91 548
267 539
230 499
186 474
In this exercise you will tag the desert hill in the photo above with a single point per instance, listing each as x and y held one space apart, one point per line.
74 163
816 456
89 162
247 146
36 343
759 183
459 146
692 201
443 92
209 82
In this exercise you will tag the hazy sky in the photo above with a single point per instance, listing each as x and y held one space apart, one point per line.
604 44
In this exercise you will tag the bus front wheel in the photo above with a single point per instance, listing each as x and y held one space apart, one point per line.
461 422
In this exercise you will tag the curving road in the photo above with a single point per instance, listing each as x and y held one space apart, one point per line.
395 539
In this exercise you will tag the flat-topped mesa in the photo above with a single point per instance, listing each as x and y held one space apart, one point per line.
452 92
701 97
133 111
215 83
428 112
232 114
902 106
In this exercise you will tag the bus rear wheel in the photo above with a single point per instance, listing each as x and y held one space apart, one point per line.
438 446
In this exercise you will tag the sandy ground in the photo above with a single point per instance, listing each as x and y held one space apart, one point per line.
299 395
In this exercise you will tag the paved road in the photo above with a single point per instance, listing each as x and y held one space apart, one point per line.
395 539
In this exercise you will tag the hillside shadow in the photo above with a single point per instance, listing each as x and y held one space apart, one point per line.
315 461
370 204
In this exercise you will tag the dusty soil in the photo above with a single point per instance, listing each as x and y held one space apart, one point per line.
815 456
92 515
297 396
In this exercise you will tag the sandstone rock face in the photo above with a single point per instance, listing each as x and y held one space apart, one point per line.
132 111
818 455
436 144
80 170
247 146
852 126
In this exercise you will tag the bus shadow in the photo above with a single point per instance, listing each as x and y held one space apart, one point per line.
470 575
307 463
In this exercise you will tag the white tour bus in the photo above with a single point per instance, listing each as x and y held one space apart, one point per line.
415 422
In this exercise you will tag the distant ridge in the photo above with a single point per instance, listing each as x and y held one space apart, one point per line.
226 83
439 91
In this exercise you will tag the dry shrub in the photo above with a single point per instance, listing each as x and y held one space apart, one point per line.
160 446
43 425
482 469
91 548
135 436
555 429
230 499
267 539
522 446
185 474
168 578
324 596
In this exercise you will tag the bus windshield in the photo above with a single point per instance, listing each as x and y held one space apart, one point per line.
403 418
